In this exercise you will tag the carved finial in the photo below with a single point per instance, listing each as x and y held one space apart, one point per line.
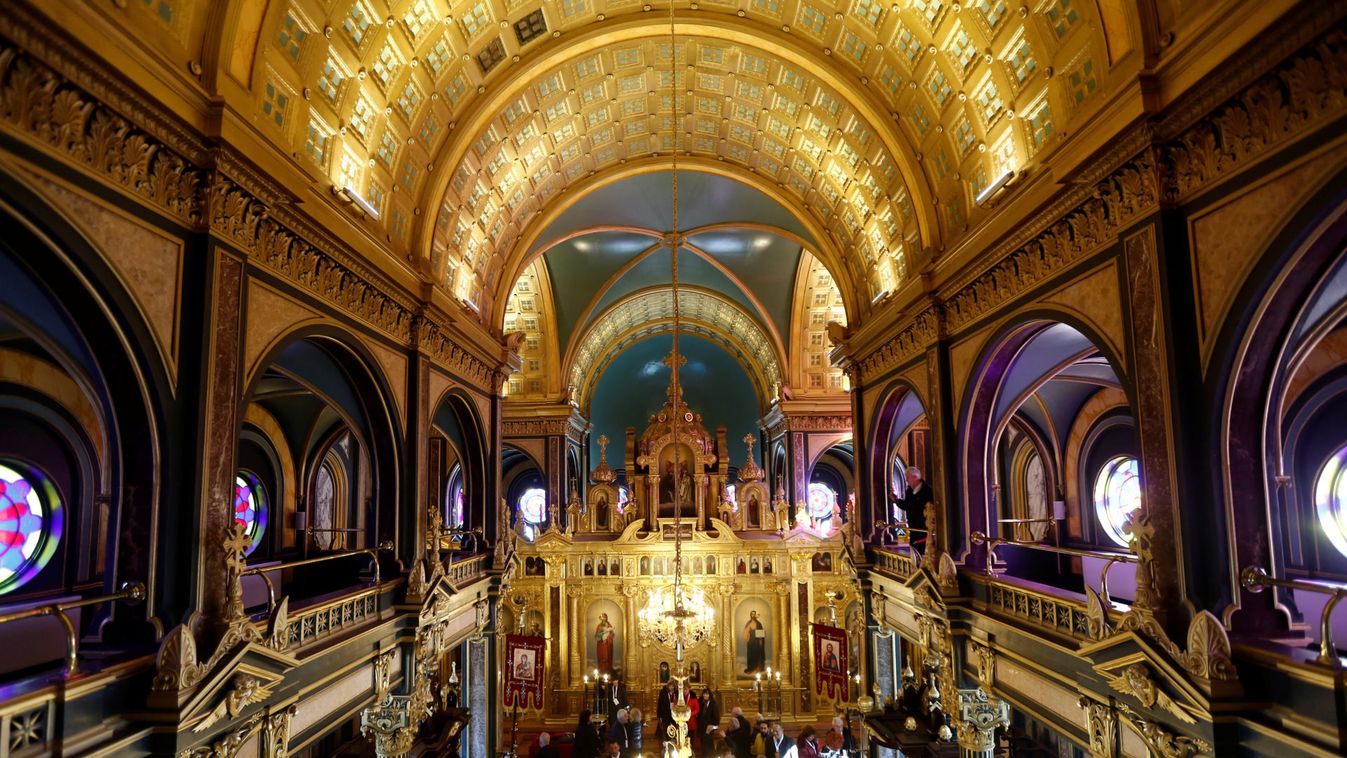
236 544
751 471
602 474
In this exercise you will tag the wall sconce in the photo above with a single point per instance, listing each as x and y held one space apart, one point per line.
358 200
994 188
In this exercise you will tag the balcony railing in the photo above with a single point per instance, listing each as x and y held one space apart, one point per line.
1109 557
131 591
263 571
1256 579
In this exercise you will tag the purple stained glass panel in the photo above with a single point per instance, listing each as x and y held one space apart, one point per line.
30 526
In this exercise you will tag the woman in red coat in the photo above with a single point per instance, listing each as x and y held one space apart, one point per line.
696 708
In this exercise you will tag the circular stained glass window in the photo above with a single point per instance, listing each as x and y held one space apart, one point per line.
30 526
822 500
1117 492
1330 499
533 509
250 508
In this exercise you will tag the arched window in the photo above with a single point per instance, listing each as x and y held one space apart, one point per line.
732 493
454 506
1330 498
250 507
898 471
324 497
30 525
533 510
622 498
1036 496
1117 492
453 498
822 500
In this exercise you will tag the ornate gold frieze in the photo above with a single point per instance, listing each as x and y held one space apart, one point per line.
1301 94
911 340
43 107
535 427
817 423
1161 742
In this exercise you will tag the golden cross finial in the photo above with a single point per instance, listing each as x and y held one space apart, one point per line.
668 360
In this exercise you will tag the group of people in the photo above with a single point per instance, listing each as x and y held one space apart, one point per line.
735 738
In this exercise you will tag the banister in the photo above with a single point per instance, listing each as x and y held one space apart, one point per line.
1256 579
262 571
1109 557
133 592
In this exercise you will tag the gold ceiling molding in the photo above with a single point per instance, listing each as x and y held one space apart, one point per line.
650 311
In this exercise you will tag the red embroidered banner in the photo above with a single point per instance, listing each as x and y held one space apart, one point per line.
523 670
830 661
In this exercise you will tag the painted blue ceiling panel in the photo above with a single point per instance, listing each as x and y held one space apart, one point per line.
578 267
647 201
633 387
764 262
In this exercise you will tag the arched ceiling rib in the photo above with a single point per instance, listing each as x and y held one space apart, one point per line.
399 99
702 312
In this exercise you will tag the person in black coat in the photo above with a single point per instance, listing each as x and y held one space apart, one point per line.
664 709
586 738
617 693
740 738
708 721
915 499
617 732
545 747
783 746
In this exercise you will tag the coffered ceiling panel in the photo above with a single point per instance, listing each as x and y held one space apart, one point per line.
463 124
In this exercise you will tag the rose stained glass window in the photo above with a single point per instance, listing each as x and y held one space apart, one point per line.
30 526
1117 492
250 508
533 509
822 500
1330 499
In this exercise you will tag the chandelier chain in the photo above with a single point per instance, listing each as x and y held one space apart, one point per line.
674 244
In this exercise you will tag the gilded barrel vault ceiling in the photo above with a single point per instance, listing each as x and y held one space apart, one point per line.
465 123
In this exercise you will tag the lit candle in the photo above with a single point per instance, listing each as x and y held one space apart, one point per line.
586 679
